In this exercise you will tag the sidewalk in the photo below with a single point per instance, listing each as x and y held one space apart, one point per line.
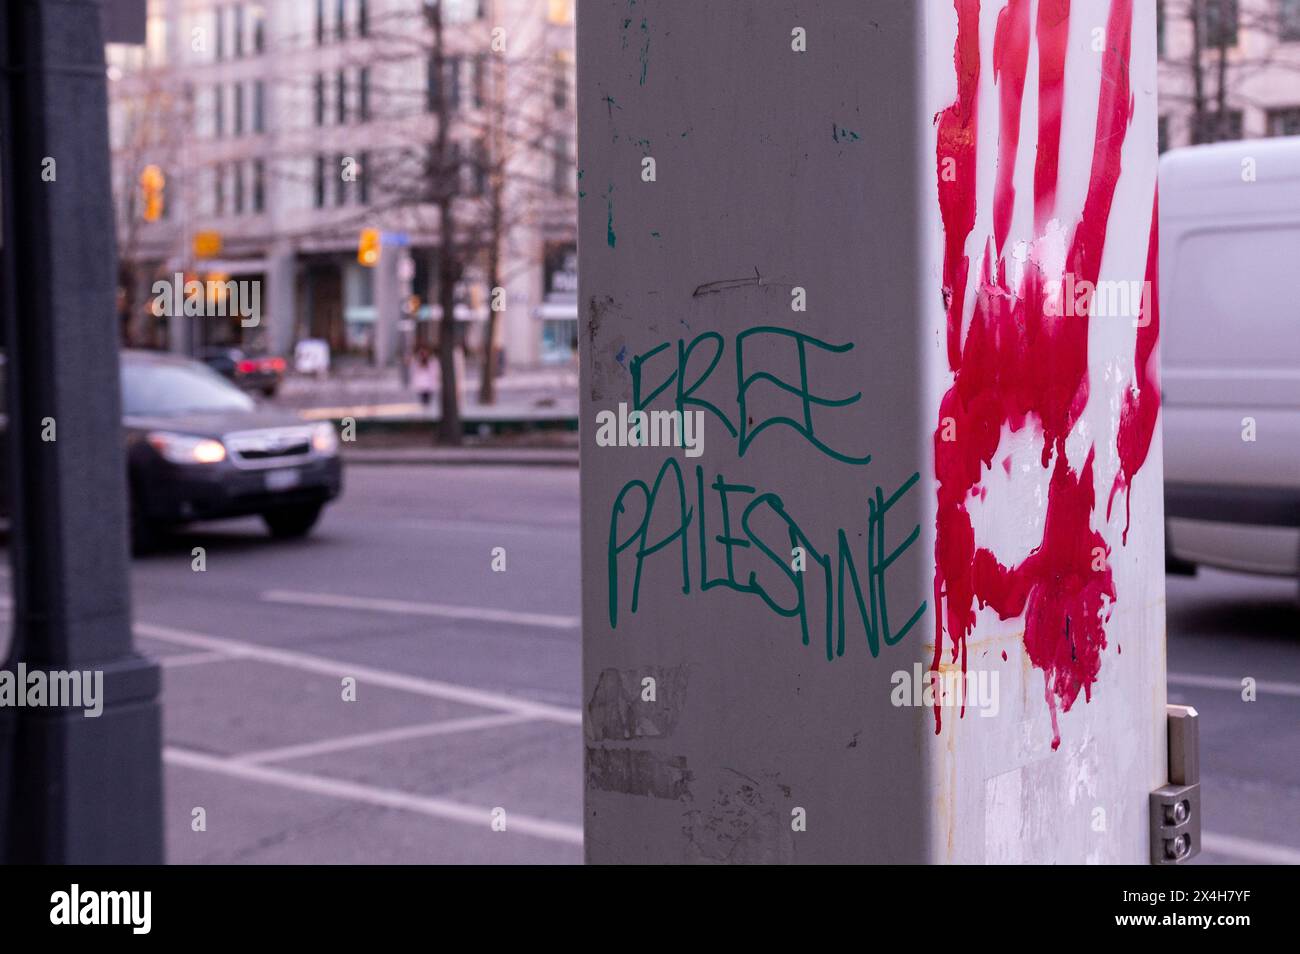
484 456
528 400
370 394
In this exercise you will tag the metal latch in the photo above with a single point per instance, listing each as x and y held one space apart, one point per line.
1176 808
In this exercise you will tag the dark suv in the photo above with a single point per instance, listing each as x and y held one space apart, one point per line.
198 448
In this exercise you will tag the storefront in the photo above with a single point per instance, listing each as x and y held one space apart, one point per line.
558 311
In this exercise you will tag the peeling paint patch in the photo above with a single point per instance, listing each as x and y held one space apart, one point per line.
618 708
638 772
598 309
748 822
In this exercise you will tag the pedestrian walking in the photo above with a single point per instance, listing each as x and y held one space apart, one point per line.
424 375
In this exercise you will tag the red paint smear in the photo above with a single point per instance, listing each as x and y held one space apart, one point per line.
1053 37
956 155
1018 364
1059 590
1010 58
1137 418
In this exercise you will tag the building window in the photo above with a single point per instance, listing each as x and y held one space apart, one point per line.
451 77
561 172
363 94
363 18
560 80
320 181
218 112
456 169
1284 122
258 16
259 185
1160 28
340 184
320 99
340 98
219 190
320 22
1288 21
452 68
480 79
238 91
237 170
1162 134
480 168
341 19
239 30
259 107
1219 23
1222 127
219 28
363 179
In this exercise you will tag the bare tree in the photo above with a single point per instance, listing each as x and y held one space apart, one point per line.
472 177
154 117
1216 66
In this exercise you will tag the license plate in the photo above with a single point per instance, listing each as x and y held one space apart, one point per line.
282 479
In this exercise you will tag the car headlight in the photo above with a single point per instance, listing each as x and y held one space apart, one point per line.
186 448
324 440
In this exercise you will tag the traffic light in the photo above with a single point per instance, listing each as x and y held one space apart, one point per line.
152 183
368 248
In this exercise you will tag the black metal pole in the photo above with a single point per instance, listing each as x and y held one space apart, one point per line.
75 789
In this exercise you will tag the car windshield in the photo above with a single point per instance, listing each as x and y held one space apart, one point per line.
167 390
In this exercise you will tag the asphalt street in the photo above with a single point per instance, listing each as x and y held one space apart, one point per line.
467 698
468 703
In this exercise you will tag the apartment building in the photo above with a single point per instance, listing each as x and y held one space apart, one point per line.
279 130
1261 39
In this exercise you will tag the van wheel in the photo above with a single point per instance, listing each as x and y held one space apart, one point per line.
287 523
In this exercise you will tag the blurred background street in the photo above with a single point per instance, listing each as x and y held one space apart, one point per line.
468 695
371 675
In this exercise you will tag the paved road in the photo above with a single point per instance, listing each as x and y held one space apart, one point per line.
468 695
467 679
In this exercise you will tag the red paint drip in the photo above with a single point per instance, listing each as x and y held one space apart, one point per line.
1053 36
956 155
1010 59
1017 365
1137 418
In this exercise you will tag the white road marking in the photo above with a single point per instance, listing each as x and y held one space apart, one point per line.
1263 687
411 608
380 737
1248 850
337 669
373 795
191 659
465 526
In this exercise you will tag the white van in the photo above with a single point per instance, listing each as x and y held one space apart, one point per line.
1230 339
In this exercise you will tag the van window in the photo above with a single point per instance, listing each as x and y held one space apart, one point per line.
1233 300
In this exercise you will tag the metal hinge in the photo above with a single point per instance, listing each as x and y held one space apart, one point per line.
1176 808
